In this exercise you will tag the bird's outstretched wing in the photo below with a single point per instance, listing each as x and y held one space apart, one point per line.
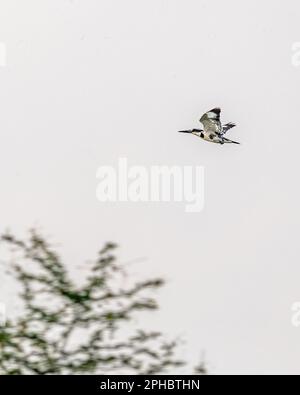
211 121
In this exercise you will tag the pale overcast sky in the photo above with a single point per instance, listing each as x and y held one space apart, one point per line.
89 81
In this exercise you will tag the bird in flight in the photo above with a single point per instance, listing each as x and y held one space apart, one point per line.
213 130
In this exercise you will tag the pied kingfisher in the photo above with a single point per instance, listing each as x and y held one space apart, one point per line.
213 130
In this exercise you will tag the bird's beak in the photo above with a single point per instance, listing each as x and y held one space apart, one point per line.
184 131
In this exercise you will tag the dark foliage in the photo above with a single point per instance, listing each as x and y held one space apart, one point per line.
66 328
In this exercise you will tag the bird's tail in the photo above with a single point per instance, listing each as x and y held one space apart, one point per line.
228 126
229 141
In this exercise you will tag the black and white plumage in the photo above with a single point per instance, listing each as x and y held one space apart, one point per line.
213 130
